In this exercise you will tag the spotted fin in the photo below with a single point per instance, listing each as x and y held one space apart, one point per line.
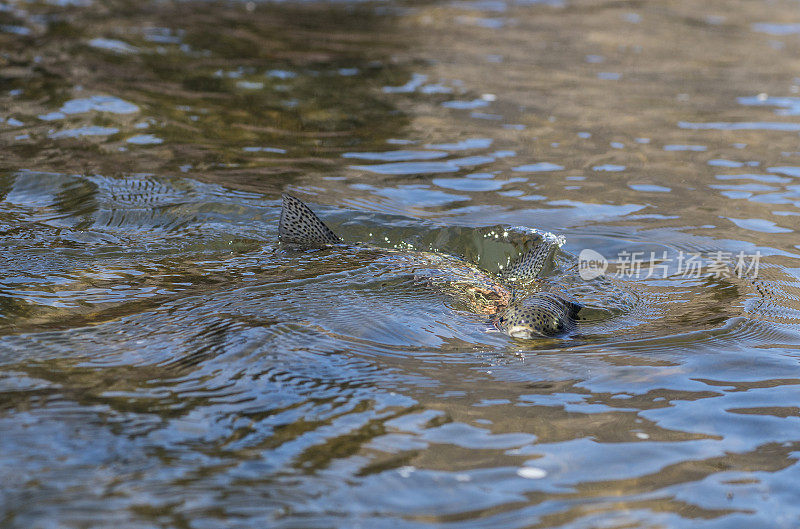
299 225
531 262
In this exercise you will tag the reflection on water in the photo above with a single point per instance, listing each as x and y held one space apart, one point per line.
164 362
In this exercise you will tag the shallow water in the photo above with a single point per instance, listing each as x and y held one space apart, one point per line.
164 362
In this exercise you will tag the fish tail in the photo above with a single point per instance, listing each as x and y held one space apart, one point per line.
531 262
573 309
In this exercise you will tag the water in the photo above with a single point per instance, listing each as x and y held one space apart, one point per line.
164 362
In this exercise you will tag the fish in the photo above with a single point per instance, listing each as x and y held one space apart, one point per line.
519 310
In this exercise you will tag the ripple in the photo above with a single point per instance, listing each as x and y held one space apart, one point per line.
274 150
144 139
776 29
117 46
436 89
485 115
15 30
463 145
538 167
650 188
745 187
724 163
467 436
484 22
409 168
693 148
419 196
284 75
788 171
789 106
759 225
471 161
250 85
570 402
504 154
396 156
91 130
767 178
660 455
466 105
736 195
416 81
741 125
609 168
469 184
163 35
51 116
599 210
498 6
99 103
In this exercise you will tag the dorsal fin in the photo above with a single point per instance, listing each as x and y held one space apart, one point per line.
299 225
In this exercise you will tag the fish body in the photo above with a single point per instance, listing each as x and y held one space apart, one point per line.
536 314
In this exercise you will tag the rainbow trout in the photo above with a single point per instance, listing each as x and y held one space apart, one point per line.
518 312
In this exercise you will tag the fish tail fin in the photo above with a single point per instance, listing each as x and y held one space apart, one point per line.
299 225
532 261
573 309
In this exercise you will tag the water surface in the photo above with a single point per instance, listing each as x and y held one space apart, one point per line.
164 362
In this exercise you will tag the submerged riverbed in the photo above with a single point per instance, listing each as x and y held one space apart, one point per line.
164 362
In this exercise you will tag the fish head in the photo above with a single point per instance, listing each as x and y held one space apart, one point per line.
537 315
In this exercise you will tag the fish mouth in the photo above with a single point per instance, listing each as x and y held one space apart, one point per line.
526 332
518 331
